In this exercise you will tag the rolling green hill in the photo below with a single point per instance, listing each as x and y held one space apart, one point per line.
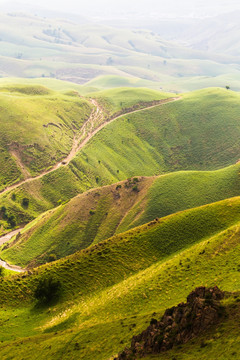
37 130
100 213
39 151
200 131
122 198
110 290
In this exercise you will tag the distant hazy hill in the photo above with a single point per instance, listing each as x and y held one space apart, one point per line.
66 50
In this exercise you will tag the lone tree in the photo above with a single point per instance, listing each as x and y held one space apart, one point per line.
47 290
227 87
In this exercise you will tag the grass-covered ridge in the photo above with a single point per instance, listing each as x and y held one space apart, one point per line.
200 131
37 129
113 288
123 98
50 190
98 214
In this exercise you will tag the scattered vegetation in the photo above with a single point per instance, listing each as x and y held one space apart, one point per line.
111 289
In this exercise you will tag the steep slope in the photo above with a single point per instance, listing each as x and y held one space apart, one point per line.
27 154
110 291
200 131
98 214
37 130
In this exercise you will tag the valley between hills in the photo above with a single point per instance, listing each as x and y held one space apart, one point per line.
121 202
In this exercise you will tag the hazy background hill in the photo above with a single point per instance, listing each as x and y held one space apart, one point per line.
176 48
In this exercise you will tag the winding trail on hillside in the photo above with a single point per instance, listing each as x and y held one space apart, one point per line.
3 239
87 131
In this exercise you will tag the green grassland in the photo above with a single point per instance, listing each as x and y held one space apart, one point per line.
116 100
100 213
37 129
123 250
111 289
51 190
200 131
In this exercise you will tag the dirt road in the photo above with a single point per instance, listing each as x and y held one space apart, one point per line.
87 131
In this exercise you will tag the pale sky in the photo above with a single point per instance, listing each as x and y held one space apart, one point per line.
110 7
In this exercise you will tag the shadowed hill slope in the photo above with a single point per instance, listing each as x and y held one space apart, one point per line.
98 214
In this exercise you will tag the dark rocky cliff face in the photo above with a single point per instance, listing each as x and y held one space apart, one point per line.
178 324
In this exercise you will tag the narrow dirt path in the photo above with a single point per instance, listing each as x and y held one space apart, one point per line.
15 268
87 131
3 239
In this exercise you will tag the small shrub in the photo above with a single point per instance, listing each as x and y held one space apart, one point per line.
47 290
3 210
52 257
118 187
11 220
25 202
1 271
135 188
13 197
91 212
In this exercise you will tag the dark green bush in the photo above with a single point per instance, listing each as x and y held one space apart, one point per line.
135 188
48 290
52 257
25 202
1 271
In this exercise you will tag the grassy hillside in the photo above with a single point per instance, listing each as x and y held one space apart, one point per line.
116 100
49 127
200 131
37 129
98 214
111 290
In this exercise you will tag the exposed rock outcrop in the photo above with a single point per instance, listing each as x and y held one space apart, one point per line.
178 324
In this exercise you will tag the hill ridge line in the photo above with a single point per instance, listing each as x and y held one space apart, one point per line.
78 143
